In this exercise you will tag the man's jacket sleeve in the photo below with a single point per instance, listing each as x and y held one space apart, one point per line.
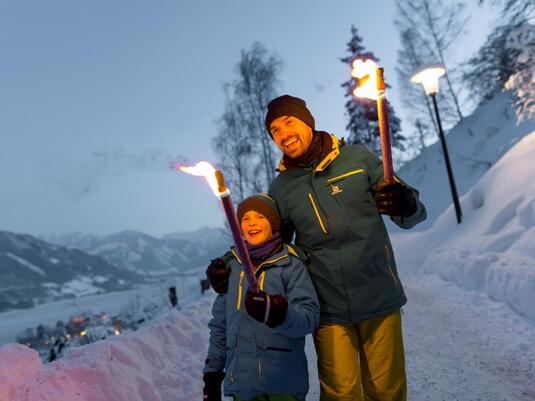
375 174
215 361
303 306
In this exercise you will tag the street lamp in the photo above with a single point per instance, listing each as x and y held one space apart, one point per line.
428 77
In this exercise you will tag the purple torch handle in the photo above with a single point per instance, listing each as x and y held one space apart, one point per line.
239 242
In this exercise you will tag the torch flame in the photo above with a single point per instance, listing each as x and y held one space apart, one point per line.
364 71
206 170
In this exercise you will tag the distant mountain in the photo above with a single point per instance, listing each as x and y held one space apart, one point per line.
144 254
33 271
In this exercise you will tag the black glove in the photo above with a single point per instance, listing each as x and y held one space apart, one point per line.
212 386
256 304
395 199
218 274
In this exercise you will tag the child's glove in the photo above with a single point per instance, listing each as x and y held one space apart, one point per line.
218 274
268 309
212 386
395 199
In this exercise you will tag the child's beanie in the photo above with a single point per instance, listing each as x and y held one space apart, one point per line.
263 204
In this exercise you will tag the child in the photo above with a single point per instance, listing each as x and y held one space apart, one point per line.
259 339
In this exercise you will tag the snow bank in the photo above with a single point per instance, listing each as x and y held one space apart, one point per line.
160 362
493 250
475 144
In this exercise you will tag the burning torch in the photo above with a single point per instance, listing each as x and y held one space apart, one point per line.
217 183
371 85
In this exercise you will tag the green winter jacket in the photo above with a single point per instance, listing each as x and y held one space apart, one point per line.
332 210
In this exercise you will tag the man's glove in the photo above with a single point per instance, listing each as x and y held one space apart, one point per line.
395 199
212 386
268 309
218 274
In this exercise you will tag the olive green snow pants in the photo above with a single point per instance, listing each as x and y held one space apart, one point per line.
270 397
362 362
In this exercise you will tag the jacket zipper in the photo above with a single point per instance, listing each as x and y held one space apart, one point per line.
261 281
240 289
389 267
317 214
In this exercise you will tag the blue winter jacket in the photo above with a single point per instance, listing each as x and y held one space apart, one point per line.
257 359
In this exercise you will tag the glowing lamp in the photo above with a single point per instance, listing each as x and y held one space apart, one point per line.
428 77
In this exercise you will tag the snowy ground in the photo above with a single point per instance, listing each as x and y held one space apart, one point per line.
469 324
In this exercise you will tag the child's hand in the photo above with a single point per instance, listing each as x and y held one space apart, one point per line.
268 309
218 274
212 386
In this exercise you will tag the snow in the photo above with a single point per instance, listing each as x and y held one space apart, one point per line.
469 324
162 361
27 264
474 145
81 286
493 250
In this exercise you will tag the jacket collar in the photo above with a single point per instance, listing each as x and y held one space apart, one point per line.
322 165
279 258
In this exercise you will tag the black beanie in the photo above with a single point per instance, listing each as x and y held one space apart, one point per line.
287 105
263 204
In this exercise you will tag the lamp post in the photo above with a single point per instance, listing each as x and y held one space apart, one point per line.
428 77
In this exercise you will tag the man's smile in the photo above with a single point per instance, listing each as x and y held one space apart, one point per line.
290 142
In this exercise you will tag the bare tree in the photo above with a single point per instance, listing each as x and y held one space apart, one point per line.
232 144
437 25
254 89
242 143
411 56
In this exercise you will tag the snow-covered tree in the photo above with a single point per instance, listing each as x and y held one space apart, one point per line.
505 61
514 11
363 123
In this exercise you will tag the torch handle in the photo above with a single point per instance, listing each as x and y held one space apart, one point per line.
239 242
384 127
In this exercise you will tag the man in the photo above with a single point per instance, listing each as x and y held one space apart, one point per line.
332 195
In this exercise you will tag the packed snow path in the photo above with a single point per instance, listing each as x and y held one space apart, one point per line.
460 345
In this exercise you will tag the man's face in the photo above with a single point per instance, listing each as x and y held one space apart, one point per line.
291 135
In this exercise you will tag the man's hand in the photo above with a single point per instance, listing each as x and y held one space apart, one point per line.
212 386
395 199
218 274
268 309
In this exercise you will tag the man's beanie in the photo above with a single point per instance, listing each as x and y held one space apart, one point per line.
264 205
287 105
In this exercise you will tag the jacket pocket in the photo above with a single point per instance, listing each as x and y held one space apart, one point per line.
337 178
317 213
231 361
282 365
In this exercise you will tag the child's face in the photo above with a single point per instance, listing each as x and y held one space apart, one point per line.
255 227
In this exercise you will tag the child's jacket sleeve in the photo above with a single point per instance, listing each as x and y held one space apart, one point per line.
303 305
215 361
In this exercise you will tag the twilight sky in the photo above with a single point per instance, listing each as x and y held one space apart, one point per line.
97 98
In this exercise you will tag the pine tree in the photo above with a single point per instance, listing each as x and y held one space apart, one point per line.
363 123
506 59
